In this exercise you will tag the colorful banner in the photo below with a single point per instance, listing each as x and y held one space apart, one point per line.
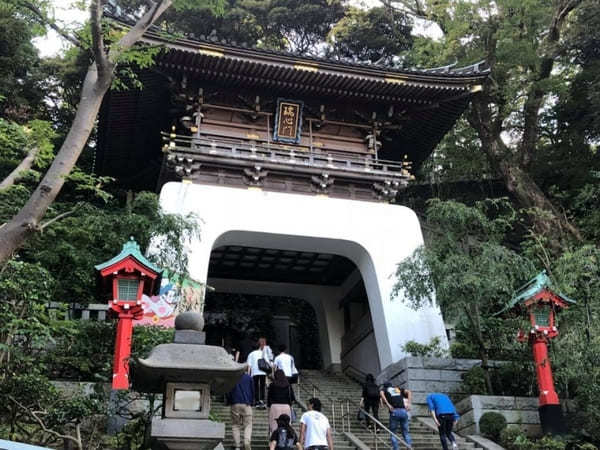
176 295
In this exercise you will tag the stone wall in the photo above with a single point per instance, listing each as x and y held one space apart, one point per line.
423 375
519 411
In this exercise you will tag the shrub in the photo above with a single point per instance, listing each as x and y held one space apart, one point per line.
550 443
474 381
514 378
491 424
586 446
433 349
512 438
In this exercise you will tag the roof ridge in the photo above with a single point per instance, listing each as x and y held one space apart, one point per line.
480 68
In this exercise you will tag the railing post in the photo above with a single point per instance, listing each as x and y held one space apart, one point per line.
333 415
348 415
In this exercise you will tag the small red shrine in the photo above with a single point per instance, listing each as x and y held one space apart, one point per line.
541 304
123 279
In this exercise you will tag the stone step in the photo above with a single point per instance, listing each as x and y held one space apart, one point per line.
336 389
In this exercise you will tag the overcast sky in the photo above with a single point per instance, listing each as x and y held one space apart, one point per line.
64 14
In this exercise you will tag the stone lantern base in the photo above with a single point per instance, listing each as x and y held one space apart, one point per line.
185 434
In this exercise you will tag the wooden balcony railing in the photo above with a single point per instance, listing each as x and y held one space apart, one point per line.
224 150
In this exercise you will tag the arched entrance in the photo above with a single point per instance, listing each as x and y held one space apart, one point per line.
236 321
330 283
373 236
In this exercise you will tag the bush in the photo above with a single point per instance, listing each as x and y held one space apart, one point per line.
474 381
91 346
507 379
514 379
512 438
550 443
491 424
433 349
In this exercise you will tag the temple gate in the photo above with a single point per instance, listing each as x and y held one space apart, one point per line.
295 165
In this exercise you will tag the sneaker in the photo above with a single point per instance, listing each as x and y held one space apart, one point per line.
454 446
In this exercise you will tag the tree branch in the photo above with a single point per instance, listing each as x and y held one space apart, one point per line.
25 164
60 216
537 92
34 415
136 32
44 20
97 39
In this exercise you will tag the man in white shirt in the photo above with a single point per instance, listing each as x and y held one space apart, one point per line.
315 432
259 377
285 362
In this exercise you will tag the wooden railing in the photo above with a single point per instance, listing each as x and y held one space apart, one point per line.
182 147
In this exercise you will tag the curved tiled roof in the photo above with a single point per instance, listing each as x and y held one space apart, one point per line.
448 73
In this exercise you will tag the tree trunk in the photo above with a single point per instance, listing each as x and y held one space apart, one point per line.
14 233
546 218
551 223
473 315
26 164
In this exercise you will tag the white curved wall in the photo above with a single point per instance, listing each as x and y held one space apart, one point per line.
375 236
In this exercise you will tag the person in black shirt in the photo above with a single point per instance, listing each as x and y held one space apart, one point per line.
284 437
370 398
398 402
280 398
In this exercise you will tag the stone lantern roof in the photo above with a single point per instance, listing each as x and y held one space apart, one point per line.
187 359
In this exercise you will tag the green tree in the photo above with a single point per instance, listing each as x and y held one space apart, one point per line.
107 52
465 267
24 148
21 74
520 41
377 35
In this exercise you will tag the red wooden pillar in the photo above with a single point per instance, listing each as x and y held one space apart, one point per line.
543 370
126 313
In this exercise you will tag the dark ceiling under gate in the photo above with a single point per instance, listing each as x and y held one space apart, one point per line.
283 266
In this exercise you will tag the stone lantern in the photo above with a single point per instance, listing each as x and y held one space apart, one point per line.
186 372
122 280
541 304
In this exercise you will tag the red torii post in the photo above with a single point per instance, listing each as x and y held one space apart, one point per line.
124 279
541 304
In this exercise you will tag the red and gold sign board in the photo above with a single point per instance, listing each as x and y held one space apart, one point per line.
288 121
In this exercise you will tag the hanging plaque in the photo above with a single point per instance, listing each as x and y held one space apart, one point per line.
288 121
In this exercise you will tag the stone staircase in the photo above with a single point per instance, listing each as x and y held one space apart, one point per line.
338 394
346 393
260 426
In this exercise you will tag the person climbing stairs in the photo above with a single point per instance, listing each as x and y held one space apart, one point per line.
339 396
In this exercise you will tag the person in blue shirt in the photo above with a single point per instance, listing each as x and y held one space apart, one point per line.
241 399
445 416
